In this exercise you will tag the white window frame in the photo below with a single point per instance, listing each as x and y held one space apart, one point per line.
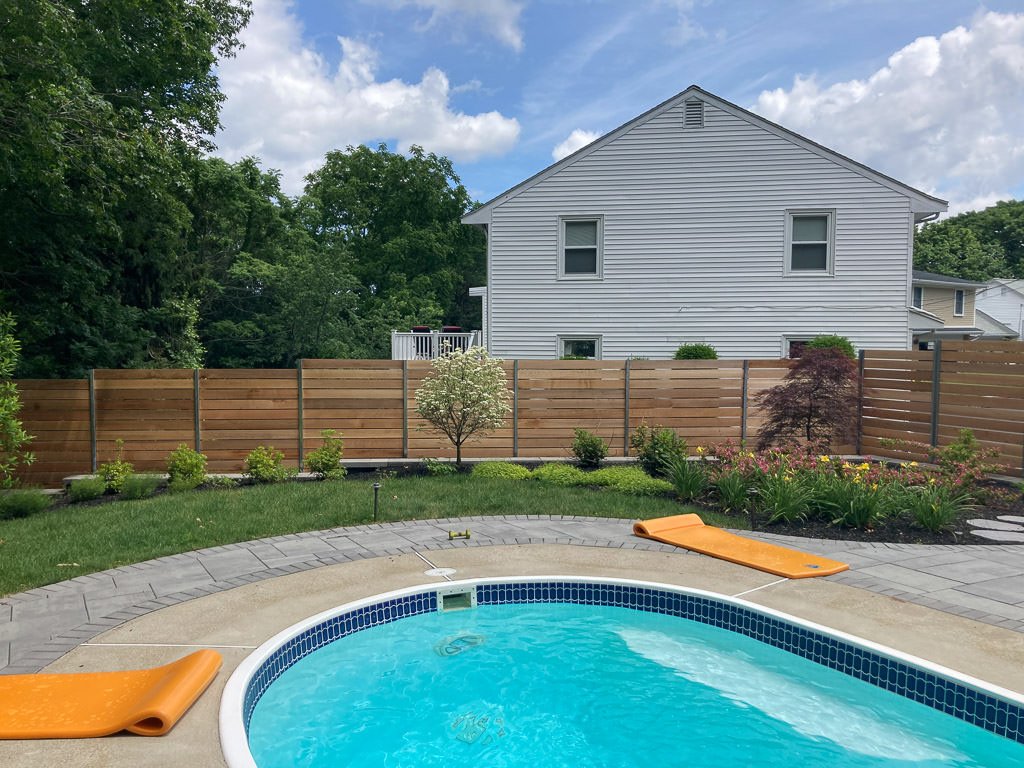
562 338
959 297
830 251
788 338
915 292
599 274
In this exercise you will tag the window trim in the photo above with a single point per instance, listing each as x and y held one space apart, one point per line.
830 251
959 297
915 292
564 337
599 274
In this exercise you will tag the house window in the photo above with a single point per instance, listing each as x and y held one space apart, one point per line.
580 251
809 242
572 347
958 302
795 348
918 300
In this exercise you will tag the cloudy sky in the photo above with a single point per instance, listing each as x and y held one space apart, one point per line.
928 91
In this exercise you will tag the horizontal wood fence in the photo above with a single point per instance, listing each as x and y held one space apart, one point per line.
919 398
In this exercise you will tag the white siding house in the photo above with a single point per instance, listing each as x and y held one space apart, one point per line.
698 222
1003 301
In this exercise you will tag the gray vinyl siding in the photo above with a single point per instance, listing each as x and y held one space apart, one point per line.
694 230
1004 304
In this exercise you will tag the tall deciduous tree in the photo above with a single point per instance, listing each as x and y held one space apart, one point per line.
977 245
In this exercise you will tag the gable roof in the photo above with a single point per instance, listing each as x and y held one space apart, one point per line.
1017 286
992 327
920 202
920 277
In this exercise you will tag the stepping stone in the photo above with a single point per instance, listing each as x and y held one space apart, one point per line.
1009 537
996 525
1012 518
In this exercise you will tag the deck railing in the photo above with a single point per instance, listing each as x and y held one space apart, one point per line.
429 344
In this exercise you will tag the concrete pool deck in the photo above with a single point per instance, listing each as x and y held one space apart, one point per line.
960 606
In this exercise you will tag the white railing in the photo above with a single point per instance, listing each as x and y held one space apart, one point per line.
430 344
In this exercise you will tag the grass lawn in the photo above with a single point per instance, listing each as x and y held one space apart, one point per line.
73 540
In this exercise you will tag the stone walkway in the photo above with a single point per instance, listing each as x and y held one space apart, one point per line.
985 582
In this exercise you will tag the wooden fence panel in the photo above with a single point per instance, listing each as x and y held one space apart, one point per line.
557 396
56 414
702 400
152 411
981 388
360 399
241 409
425 443
761 376
897 403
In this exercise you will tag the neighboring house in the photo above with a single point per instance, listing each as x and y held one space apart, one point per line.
1003 302
943 307
699 221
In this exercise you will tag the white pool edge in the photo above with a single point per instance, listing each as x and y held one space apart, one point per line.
234 740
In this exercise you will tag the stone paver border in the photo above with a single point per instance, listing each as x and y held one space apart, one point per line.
37 627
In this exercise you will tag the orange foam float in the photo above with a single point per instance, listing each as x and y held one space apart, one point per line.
82 705
689 532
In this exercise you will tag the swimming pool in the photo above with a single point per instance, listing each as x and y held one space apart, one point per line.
427 691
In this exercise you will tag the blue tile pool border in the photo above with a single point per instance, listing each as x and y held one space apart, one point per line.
954 697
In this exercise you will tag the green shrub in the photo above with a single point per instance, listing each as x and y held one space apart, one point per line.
141 486
86 489
23 502
733 491
589 449
263 465
784 497
560 474
439 468
115 473
935 507
656 448
696 352
832 341
688 478
631 480
503 470
186 468
325 461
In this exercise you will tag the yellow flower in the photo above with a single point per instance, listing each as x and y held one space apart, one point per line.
700 450
863 467
847 465
824 459
874 486
912 464
931 481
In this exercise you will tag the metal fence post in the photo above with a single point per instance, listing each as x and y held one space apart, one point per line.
936 377
515 408
93 463
405 409
195 410
743 401
301 436
860 401
625 409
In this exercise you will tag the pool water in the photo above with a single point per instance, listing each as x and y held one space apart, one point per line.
548 685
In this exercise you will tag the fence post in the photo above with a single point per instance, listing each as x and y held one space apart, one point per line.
301 436
625 409
405 409
860 400
936 376
195 410
93 464
743 401
515 408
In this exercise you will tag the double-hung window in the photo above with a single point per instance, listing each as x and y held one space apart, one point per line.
918 299
810 242
580 248
958 302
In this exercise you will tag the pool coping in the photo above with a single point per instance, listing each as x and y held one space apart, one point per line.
39 626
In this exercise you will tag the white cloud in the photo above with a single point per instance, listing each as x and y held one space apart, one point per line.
285 106
575 140
946 115
499 18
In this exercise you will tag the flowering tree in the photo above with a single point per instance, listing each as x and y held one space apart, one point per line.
464 395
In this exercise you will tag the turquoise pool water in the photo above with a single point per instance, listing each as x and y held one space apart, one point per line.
548 685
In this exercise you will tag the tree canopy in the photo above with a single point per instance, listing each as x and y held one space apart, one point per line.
977 245
124 244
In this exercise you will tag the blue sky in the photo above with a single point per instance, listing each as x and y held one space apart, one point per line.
929 91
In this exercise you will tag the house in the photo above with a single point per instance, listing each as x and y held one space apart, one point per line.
943 307
1002 301
698 221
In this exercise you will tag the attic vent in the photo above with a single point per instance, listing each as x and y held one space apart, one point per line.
693 116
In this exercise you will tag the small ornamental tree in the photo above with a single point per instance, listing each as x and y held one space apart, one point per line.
13 437
816 402
464 395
